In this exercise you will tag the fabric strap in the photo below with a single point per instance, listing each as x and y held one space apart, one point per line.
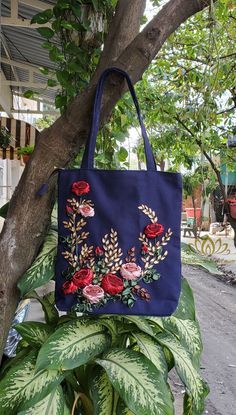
88 158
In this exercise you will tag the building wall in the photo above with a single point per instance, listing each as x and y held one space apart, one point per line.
187 203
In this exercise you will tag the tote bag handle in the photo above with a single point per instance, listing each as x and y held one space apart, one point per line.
88 158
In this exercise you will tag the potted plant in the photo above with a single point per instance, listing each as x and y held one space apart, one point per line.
5 137
25 152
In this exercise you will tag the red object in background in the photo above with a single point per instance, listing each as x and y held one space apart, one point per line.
190 214
232 207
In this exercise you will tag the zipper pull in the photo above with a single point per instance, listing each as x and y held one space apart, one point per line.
43 189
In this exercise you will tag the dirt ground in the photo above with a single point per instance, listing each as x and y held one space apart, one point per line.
216 311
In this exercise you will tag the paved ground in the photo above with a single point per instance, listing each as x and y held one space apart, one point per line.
216 310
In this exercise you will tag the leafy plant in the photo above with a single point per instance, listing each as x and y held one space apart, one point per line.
100 364
5 137
25 150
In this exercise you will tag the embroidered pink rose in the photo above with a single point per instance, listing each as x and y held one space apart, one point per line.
130 271
86 211
93 293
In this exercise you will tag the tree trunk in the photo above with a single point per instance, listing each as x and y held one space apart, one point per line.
28 217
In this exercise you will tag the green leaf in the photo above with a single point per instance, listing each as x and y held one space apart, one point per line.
195 385
52 404
188 332
42 17
141 323
153 351
73 344
122 409
122 154
47 302
191 257
186 306
29 94
95 4
101 392
52 82
34 332
42 269
138 382
22 387
46 32
4 210
44 70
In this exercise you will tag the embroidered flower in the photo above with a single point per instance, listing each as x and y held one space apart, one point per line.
80 188
153 229
144 248
99 251
112 284
69 210
69 287
82 277
93 293
86 211
130 271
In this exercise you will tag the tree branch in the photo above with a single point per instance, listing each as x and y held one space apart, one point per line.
28 216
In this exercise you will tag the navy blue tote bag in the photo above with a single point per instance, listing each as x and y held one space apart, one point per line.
119 233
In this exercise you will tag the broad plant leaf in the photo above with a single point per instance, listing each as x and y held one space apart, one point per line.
186 305
153 351
74 344
34 332
47 302
190 257
138 382
141 323
188 332
101 392
122 409
4 210
42 269
194 383
21 387
52 404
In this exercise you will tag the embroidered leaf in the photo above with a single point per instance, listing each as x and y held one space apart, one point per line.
195 385
153 351
189 335
101 392
138 382
73 344
149 212
22 387
53 404
35 333
42 269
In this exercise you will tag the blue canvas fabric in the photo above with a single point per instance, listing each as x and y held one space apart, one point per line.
119 233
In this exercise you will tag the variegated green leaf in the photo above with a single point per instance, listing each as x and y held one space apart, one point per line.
34 332
156 323
52 404
42 269
122 409
186 306
74 344
23 387
101 392
153 351
191 257
138 382
48 304
189 335
141 323
195 385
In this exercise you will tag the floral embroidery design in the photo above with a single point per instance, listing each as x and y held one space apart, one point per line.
100 274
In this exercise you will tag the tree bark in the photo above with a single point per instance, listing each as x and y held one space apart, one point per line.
28 216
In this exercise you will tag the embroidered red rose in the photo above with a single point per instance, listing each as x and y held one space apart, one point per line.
112 284
69 287
82 277
80 188
93 293
99 251
144 248
153 229
69 210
